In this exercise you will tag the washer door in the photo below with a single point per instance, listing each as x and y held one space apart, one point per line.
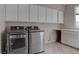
18 44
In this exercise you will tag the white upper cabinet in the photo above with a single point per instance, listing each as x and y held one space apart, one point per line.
30 13
2 12
33 13
23 12
60 17
51 15
42 14
11 12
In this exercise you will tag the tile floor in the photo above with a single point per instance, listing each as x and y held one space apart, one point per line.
57 48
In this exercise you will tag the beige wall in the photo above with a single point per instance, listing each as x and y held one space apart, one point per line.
69 17
48 29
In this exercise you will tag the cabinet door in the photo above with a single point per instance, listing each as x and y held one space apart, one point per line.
60 17
78 39
2 12
65 37
11 12
33 13
24 12
74 40
70 38
51 15
42 14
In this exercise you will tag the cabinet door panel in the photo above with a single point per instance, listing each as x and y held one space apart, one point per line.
60 17
11 12
65 37
70 38
51 15
42 14
24 12
78 39
33 13
74 40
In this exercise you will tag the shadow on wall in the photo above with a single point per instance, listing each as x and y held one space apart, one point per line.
3 42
